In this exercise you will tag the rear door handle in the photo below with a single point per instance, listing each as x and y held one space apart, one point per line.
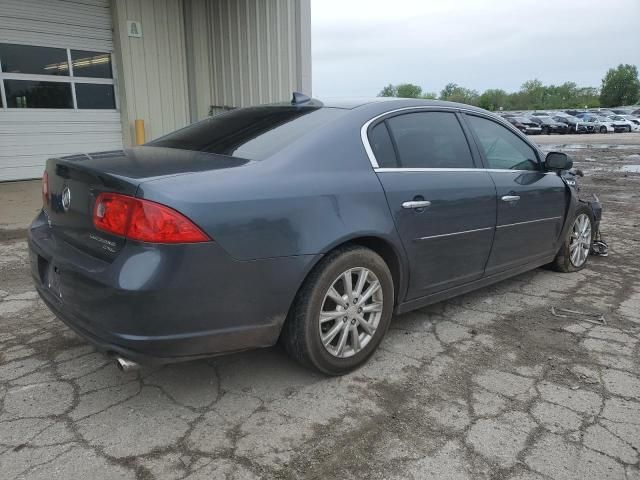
511 198
416 204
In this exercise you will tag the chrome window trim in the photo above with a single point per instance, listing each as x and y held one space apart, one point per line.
490 170
454 233
434 108
529 221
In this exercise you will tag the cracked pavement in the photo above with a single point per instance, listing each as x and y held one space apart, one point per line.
486 385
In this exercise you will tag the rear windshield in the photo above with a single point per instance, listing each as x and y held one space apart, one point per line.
253 133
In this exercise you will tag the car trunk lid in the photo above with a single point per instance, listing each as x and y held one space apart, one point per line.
74 183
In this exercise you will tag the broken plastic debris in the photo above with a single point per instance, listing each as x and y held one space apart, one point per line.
599 318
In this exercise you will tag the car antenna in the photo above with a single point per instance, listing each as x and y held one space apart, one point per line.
299 98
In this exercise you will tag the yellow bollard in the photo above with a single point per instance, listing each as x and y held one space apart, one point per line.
139 131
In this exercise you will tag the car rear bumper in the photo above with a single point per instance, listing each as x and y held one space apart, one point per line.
165 303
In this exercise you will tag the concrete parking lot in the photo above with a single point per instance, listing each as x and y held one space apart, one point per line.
488 385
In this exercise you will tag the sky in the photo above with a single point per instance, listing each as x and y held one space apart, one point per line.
359 46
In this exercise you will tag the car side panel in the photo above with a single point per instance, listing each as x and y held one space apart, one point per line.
300 202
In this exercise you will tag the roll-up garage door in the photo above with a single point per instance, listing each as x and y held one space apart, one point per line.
56 83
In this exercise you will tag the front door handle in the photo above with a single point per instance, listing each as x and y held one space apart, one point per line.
416 204
511 198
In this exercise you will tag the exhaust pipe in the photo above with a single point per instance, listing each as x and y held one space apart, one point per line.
125 365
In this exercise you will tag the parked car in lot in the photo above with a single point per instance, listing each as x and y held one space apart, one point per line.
634 120
574 124
600 124
621 123
306 222
524 125
549 125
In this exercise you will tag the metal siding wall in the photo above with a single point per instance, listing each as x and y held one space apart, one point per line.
152 68
246 52
28 137
81 24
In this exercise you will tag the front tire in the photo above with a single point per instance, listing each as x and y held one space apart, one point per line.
341 312
603 129
574 252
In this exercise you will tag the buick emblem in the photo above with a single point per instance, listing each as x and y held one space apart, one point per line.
66 198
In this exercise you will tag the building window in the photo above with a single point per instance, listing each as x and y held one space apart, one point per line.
32 60
29 94
89 95
91 64
47 77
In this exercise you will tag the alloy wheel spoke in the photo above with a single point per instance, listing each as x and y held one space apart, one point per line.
336 297
362 278
372 307
574 245
342 342
332 315
331 334
355 338
373 288
348 286
367 327
574 256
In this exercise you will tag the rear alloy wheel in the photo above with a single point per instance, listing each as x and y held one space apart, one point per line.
603 129
351 312
341 312
574 252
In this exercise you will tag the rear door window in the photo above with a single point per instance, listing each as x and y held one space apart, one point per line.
430 140
382 146
251 133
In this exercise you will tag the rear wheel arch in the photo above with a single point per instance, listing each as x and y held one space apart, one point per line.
382 247
388 254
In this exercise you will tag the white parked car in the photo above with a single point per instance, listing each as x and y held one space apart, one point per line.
601 124
630 121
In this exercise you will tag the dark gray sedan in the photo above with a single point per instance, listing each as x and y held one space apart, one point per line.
307 223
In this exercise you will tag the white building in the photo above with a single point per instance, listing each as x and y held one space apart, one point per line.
76 74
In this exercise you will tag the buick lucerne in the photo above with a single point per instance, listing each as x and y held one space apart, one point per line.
307 223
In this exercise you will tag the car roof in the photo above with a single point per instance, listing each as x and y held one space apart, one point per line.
384 104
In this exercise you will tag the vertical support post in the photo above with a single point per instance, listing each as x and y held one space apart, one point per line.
139 131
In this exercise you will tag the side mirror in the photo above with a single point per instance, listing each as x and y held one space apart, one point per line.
558 161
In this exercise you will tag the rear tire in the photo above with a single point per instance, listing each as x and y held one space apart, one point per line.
336 346
574 252
603 129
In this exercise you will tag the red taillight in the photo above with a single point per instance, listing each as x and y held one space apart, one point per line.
45 188
143 220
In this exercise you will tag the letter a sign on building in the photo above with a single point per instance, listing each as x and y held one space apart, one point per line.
134 29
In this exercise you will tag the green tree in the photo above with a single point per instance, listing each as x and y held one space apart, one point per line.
389 91
494 99
453 92
402 90
533 94
408 90
620 86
